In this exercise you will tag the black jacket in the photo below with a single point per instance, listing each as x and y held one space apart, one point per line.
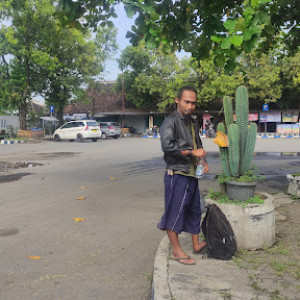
175 137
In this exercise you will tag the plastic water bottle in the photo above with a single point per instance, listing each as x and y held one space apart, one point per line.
200 168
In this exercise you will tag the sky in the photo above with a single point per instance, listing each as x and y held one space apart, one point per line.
123 24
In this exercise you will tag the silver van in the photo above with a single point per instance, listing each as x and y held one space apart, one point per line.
110 129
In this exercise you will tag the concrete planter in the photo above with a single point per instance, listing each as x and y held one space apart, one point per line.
294 185
240 191
253 224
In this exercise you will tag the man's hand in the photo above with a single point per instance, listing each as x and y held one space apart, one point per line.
200 153
206 168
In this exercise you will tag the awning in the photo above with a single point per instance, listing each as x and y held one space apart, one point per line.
49 119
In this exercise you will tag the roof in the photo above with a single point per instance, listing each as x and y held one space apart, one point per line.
104 99
37 106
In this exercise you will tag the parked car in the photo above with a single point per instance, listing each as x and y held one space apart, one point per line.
110 129
80 130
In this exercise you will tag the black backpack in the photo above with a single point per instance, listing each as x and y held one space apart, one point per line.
220 239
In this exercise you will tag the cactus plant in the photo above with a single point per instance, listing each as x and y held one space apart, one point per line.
236 159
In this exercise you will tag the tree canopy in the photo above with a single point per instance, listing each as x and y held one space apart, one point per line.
153 77
23 53
229 27
38 56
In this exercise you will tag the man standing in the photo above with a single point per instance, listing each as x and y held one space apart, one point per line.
182 149
206 128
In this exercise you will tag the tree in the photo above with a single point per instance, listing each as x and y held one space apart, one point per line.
22 53
290 80
78 59
262 77
38 56
214 83
134 61
229 27
168 73
151 77
154 85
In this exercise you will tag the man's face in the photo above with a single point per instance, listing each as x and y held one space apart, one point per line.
187 104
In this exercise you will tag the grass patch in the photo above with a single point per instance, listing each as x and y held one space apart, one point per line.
17 139
249 176
294 197
222 198
276 296
278 249
149 276
297 274
278 266
255 286
226 295
247 259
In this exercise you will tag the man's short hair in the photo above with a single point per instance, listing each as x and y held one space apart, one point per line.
186 88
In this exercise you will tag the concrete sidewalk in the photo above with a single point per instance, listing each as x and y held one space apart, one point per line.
209 279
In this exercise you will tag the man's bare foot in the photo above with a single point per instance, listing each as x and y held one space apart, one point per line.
183 258
185 261
199 247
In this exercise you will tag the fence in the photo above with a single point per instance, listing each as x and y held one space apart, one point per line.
31 134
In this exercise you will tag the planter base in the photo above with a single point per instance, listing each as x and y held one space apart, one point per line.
294 185
253 224
240 191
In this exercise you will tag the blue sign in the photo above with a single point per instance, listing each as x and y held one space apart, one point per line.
265 107
52 108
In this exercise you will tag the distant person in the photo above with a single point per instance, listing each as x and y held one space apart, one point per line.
211 130
182 149
206 127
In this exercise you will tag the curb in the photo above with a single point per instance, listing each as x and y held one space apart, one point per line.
48 138
278 136
10 142
150 136
160 285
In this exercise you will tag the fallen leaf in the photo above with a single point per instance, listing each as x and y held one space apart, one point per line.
78 219
112 178
82 187
80 198
33 257
51 277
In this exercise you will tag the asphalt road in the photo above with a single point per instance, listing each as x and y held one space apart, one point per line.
110 254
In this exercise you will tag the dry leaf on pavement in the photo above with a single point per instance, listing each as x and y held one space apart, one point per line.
33 257
78 219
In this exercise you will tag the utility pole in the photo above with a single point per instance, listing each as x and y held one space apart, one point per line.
123 101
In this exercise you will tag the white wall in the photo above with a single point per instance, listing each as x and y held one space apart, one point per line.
11 121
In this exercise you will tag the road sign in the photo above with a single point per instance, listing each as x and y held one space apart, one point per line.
265 107
52 108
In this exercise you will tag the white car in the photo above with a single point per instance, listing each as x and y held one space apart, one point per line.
80 130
